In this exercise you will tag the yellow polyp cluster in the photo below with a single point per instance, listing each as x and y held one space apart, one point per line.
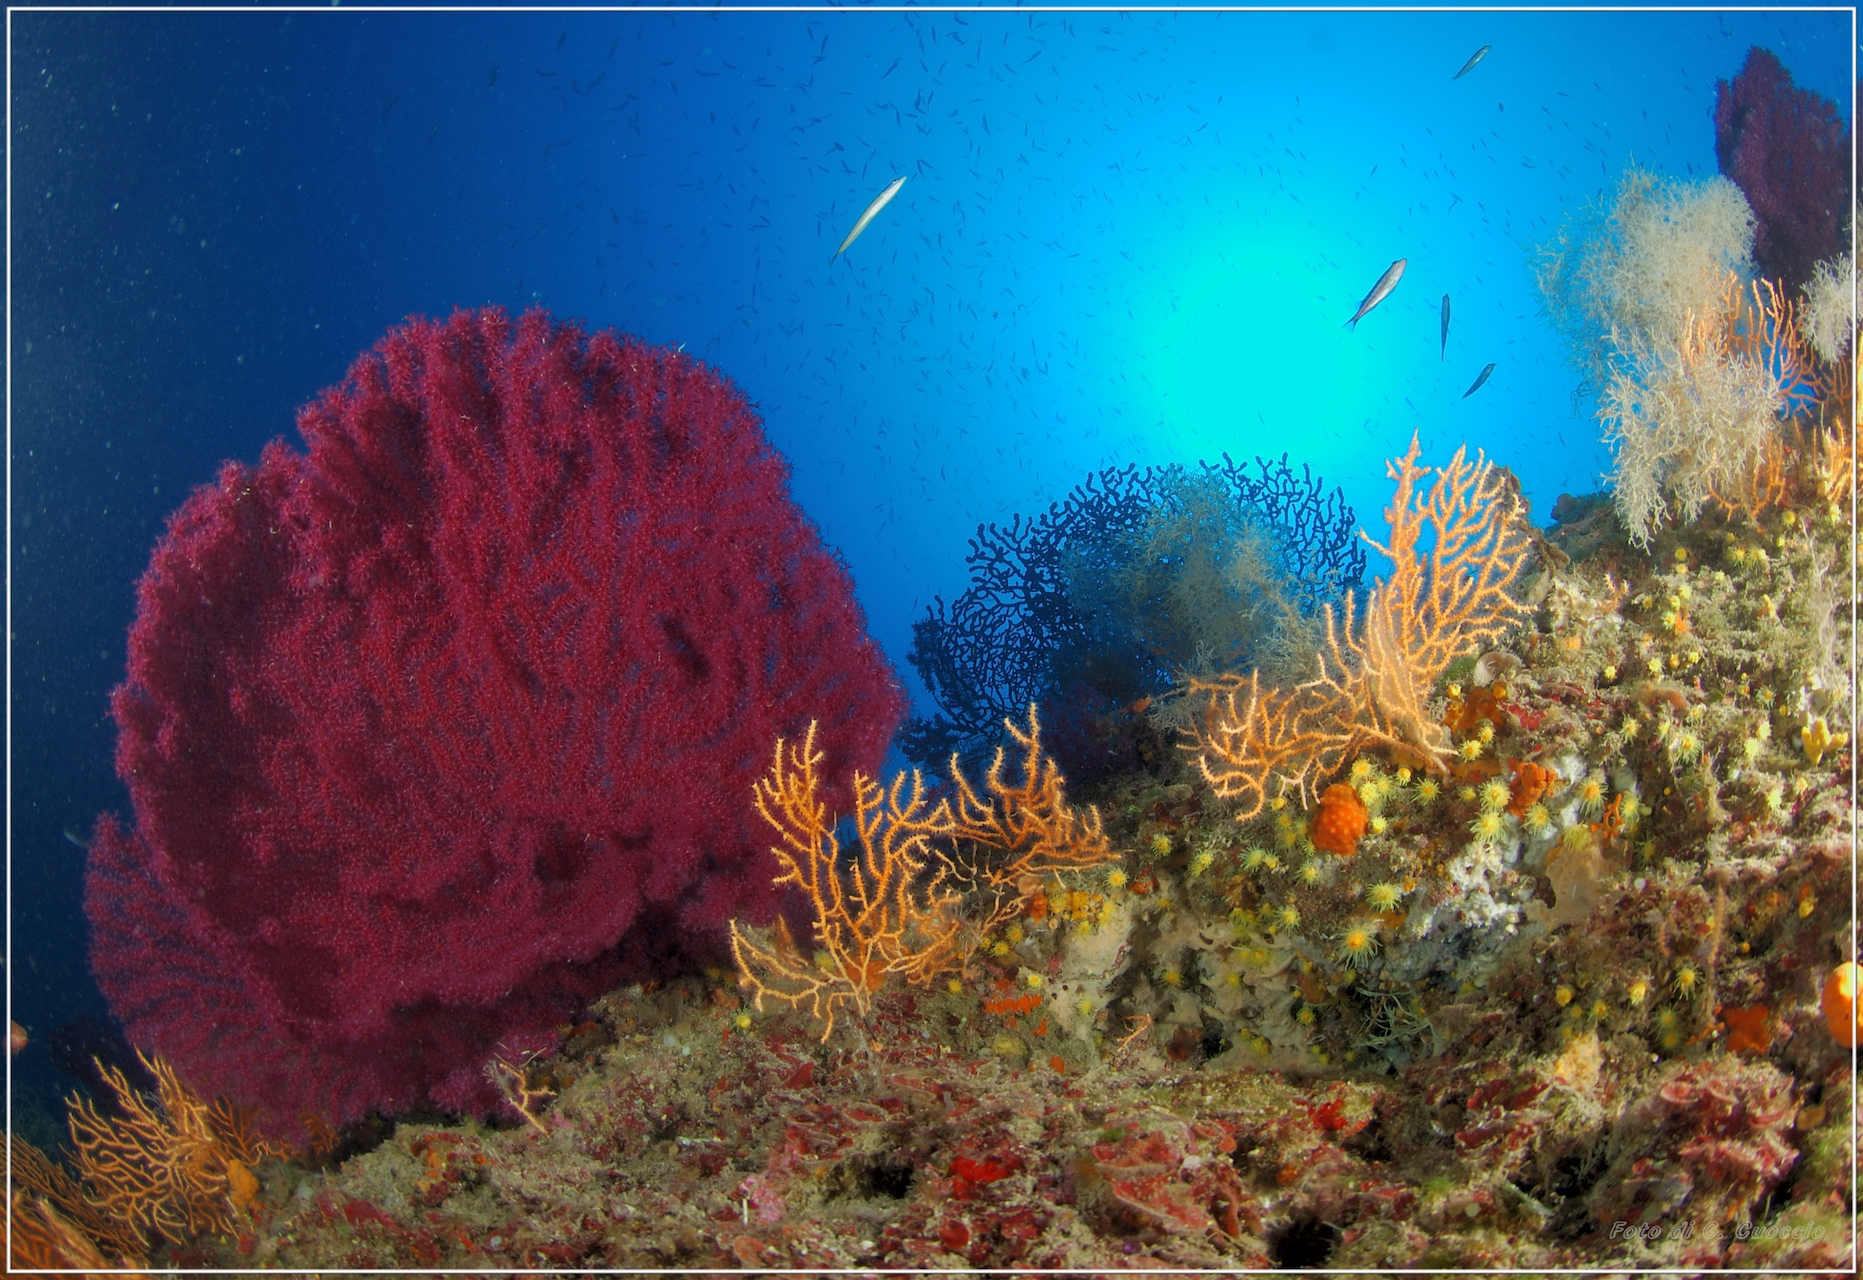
1358 943
1591 794
1383 896
1685 746
1080 906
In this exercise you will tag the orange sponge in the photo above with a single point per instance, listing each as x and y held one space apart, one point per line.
1531 781
1340 820
1841 1014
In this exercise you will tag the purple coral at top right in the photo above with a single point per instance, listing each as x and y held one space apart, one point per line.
1789 152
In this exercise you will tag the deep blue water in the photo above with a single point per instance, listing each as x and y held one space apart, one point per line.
1123 238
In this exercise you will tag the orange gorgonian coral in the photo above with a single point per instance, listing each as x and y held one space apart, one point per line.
926 882
1810 455
1455 551
56 1226
170 1167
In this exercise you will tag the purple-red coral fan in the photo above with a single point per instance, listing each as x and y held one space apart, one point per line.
1789 152
435 728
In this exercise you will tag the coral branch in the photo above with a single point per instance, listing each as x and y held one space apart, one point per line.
925 883
1455 551
1250 740
1429 611
170 1167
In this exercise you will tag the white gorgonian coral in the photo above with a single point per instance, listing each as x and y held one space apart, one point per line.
1826 318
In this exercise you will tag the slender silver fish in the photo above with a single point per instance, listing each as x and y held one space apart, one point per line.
1479 379
1379 292
1445 348
879 203
1473 58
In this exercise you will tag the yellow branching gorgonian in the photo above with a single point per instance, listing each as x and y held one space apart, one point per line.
925 882
1455 551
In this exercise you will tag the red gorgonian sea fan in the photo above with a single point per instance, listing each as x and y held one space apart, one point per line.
1788 151
435 728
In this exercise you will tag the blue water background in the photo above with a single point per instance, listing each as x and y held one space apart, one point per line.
1123 238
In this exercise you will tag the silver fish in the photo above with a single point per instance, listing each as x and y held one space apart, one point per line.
1473 58
1445 348
879 203
1479 379
1379 292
